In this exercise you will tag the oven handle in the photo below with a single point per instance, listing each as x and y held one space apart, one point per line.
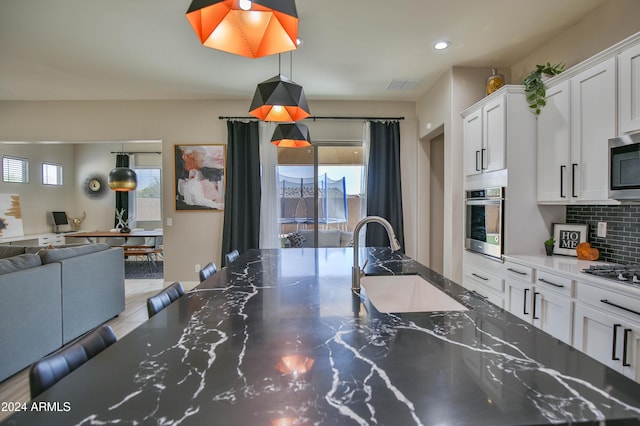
483 201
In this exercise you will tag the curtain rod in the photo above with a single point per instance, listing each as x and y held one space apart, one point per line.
136 152
316 117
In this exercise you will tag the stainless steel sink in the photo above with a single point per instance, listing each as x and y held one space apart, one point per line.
407 293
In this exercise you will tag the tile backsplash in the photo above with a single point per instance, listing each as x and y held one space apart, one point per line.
622 243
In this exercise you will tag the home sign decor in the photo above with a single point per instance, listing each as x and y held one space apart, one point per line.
568 236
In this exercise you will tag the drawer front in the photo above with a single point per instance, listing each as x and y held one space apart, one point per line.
610 301
520 272
483 278
554 283
487 295
44 241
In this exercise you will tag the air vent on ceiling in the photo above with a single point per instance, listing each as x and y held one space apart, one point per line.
403 84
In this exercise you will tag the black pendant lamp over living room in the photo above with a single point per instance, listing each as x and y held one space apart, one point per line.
251 28
122 178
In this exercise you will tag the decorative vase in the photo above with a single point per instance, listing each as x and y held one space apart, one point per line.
494 82
548 249
125 229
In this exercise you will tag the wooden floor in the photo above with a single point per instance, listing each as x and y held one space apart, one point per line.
16 387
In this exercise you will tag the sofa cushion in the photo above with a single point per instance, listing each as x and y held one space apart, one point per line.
10 251
19 262
55 255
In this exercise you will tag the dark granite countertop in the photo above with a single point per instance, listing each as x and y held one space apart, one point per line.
278 338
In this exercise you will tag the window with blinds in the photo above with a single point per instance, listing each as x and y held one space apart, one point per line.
51 174
15 169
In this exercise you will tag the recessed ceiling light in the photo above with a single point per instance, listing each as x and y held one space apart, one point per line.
441 45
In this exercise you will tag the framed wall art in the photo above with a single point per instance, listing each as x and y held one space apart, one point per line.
568 236
200 177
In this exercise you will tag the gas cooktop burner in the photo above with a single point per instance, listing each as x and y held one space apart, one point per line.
629 274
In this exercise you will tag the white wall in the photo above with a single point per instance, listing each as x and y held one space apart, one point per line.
195 237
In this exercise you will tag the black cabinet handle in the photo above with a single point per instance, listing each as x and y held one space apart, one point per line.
478 276
562 181
614 341
475 293
477 154
573 180
605 301
524 308
482 158
535 294
517 272
625 362
542 280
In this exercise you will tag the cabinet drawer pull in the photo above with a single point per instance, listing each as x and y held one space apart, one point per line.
573 180
605 301
482 159
562 181
542 280
477 167
535 294
524 307
517 272
478 276
475 293
625 362
614 341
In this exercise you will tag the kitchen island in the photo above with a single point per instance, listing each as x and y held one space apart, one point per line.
278 338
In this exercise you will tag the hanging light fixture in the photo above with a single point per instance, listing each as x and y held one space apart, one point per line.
122 178
291 135
279 98
251 28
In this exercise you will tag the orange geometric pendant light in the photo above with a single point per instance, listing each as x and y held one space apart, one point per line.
279 99
291 135
251 28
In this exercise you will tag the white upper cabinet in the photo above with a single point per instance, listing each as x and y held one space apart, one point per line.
573 132
485 136
629 90
553 145
593 123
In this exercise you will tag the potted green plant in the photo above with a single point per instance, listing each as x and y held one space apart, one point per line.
548 245
534 85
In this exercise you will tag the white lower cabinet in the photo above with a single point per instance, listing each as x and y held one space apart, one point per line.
547 304
610 339
553 313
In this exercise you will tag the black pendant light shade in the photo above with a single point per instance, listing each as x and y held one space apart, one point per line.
279 99
291 135
123 179
251 28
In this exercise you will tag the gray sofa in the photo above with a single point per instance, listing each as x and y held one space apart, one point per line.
49 297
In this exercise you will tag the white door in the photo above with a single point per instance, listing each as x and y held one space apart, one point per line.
553 313
595 335
520 297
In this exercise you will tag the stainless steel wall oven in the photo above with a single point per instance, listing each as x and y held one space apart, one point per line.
484 221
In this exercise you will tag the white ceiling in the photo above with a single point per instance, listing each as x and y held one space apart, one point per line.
146 49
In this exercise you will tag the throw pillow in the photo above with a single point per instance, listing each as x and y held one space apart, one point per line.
296 239
10 251
56 255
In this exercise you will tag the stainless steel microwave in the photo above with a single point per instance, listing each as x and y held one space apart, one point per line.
484 221
624 167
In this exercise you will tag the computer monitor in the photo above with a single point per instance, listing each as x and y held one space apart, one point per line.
60 218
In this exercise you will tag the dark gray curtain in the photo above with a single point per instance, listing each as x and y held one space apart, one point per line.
242 189
384 188
122 197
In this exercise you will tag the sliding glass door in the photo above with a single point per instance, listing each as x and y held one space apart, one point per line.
321 192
